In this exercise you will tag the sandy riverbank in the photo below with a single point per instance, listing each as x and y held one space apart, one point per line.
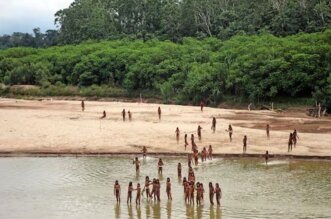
60 127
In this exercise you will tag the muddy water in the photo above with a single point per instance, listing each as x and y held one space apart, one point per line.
69 187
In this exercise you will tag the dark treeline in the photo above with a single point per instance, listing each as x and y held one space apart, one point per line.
175 19
35 40
256 67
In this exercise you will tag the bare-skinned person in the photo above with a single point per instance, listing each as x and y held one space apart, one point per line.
199 192
177 134
160 165
204 154
191 192
202 190
159 112
295 137
213 126
211 193
153 193
138 196
136 162
168 189
83 105
147 184
267 129
123 115
244 144
158 189
290 143
130 115
189 160
130 189
104 115
266 157
202 104
186 186
210 152
199 132
230 130
196 157
179 170
117 191
218 193
185 140
144 150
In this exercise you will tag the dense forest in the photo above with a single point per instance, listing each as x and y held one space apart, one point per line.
175 19
181 50
257 67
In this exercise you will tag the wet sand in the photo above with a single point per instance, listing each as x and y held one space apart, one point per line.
60 127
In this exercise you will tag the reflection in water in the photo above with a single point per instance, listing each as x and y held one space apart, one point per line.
130 213
148 209
138 212
218 213
137 175
169 203
250 189
117 210
211 212
199 211
156 210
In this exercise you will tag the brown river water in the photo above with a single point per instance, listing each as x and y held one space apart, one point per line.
82 187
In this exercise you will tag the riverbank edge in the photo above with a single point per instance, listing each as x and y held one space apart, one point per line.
165 154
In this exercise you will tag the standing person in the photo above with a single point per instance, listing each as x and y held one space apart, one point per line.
196 157
230 130
83 105
153 193
213 126
137 164
198 197
295 137
199 132
179 170
123 115
168 189
211 193
290 143
186 190
191 192
185 139
103 115
130 189
267 129
204 154
144 150
202 190
266 157
160 165
130 116
202 104
159 112
147 183
218 193
194 146
138 194
158 189
117 191
177 135
244 144
189 160
210 152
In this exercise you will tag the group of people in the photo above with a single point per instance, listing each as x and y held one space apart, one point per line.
193 191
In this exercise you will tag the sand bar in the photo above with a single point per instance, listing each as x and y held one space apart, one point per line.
59 127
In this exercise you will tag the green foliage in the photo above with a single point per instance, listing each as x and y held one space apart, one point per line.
258 68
